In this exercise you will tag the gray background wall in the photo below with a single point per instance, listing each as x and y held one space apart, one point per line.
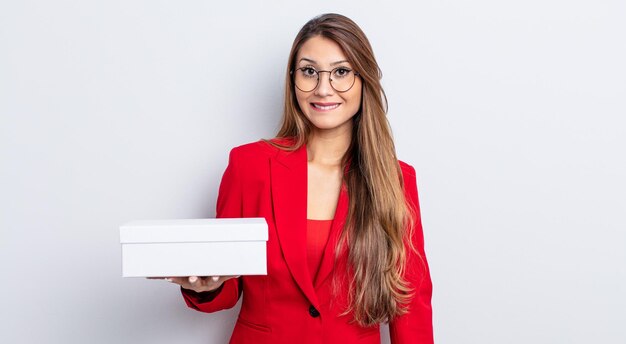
512 113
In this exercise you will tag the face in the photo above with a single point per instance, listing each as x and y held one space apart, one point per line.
326 108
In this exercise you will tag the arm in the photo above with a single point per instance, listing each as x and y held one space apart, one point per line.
416 325
229 202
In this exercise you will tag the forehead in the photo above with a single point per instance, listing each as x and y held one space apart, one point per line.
322 50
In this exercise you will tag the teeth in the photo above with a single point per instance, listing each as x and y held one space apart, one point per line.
328 107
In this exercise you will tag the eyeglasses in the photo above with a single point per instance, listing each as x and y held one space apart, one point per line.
341 79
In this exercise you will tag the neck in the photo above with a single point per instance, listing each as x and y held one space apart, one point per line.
328 147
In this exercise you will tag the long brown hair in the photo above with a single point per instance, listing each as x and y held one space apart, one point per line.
378 214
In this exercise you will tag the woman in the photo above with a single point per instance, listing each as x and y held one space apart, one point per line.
345 249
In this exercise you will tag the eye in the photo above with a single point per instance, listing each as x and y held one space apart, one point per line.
342 72
309 72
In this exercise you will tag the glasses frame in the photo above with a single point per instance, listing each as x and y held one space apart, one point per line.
330 79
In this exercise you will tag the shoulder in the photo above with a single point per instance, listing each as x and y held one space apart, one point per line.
408 172
252 150
260 151
409 181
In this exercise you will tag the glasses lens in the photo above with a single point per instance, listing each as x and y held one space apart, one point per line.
342 79
305 79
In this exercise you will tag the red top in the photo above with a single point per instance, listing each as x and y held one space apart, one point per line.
317 232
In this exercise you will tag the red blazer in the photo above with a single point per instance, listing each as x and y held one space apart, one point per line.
286 306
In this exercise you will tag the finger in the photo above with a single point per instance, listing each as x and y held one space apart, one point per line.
200 283
215 282
182 281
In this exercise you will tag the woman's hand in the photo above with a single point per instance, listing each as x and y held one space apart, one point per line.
198 284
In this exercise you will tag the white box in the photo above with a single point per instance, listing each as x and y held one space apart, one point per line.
194 247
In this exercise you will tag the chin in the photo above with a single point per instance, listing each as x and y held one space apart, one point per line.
322 125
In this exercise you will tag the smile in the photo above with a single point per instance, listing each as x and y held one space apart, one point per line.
325 106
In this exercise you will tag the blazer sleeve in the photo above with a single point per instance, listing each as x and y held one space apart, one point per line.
229 205
416 325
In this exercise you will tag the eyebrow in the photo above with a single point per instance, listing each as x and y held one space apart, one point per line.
313 61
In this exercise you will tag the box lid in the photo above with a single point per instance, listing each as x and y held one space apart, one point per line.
194 230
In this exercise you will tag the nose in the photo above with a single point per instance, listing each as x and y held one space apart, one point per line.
324 88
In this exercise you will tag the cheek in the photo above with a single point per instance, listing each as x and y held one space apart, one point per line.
301 100
354 98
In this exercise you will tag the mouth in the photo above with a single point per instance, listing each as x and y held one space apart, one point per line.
325 106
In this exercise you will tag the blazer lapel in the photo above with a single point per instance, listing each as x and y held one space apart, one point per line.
328 259
289 197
